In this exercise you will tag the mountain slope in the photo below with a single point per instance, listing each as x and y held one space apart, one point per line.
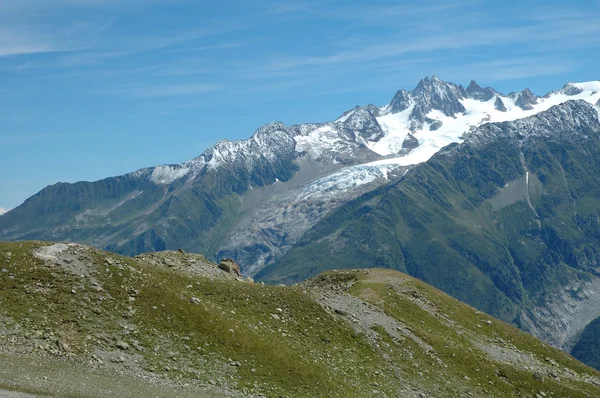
77 321
506 221
253 199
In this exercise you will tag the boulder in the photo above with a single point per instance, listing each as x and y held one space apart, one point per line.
230 266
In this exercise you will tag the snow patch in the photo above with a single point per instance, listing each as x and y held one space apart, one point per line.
318 141
589 86
397 126
168 174
3 211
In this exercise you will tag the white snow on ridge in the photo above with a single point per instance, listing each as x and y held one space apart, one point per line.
345 117
3 211
317 141
397 126
589 86
322 140
168 174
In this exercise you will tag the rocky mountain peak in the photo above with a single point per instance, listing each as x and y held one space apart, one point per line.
570 89
525 99
435 94
401 101
434 87
477 92
363 122
270 129
499 105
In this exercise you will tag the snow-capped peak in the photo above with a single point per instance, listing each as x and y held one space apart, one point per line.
409 130
442 129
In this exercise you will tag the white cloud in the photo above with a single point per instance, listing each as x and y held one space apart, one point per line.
3 211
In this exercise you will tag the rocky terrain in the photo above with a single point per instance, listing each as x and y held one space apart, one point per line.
77 321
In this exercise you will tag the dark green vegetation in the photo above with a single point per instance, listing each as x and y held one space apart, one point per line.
503 222
587 347
396 336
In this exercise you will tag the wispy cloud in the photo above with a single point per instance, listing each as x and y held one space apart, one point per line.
448 41
509 69
165 90
354 39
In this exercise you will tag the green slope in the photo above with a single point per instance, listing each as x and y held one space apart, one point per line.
76 316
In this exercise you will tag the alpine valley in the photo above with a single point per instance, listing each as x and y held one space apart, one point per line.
492 198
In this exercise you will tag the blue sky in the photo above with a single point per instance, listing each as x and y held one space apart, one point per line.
94 88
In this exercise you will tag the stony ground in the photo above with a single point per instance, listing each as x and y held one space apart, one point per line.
76 321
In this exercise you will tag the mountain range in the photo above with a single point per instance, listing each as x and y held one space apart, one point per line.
492 198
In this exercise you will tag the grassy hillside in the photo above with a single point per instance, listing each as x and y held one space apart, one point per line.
76 321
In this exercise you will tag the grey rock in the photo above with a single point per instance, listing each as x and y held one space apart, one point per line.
363 122
121 345
401 101
499 105
570 89
435 125
435 94
526 99
410 142
477 92
230 266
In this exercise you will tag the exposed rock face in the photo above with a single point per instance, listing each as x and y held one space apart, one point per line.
230 266
435 94
477 92
566 313
435 125
410 142
363 122
526 99
401 101
499 105
570 89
